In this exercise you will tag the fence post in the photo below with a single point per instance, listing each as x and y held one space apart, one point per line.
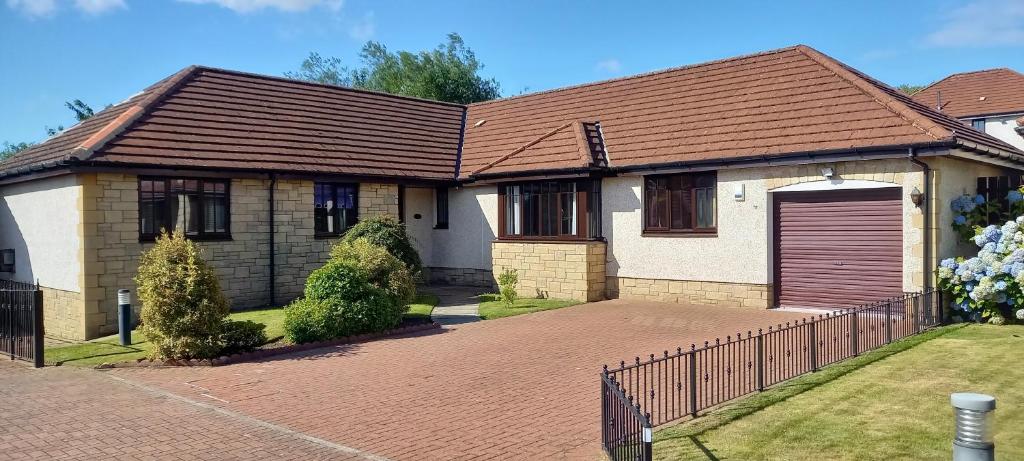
939 311
888 321
37 328
813 338
11 303
604 409
760 361
648 438
917 313
693 381
855 334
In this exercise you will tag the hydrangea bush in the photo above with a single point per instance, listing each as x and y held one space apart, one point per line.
989 285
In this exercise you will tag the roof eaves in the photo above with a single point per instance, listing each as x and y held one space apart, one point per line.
892 104
87 149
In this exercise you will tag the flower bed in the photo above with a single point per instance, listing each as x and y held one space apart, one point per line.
990 285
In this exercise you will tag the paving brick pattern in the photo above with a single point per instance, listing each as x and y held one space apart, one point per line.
522 387
63 413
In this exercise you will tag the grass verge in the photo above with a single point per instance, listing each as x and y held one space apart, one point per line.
492 308
891 403
109 350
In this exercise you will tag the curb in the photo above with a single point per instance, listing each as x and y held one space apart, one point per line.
264 353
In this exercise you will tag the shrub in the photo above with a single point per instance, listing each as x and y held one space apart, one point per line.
381 269
507 282
989 285
183 309
241 336
389 233
306 320
337 280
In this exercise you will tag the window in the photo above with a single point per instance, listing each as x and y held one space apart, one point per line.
198 207
978 124
550 210
680 203
441 208
334 208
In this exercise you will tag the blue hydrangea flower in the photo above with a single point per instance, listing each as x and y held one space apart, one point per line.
959 219
1000 285
948 263
1014 196
979 200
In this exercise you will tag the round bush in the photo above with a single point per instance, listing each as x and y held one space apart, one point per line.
183 309
241 336
389 233
381 269
307 320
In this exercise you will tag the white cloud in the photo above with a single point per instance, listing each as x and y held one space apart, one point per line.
98 6
981 23
290 6
611 66
364 29
34 8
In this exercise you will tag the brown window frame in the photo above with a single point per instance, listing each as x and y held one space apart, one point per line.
587 224
350 219
203 198
670 204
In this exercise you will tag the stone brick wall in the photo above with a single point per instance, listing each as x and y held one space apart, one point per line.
460 276
62 313
112 247
569 270
691 292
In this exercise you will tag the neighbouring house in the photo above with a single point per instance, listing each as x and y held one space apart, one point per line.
990 101
779 178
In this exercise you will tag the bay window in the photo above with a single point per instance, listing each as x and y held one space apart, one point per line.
550 210
680 203
197 207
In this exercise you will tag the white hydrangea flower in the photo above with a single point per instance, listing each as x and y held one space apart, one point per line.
1020 313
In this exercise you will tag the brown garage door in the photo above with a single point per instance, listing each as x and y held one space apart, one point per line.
838 248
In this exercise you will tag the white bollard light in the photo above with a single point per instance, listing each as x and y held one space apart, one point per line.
973 416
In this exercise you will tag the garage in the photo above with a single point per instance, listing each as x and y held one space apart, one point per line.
837 248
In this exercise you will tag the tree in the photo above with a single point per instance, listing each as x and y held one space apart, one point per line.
82 112
10 149
909 89
449 72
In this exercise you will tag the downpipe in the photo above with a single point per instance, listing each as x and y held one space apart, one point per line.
926 209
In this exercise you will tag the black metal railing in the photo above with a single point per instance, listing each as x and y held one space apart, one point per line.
683 383
626 431
21 321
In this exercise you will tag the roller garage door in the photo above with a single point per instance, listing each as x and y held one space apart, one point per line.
838 248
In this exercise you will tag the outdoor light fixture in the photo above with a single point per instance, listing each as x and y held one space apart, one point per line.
7 260
828 172
973 415
916 196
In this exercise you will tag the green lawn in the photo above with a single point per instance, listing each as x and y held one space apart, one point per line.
492 308
109 350
889 404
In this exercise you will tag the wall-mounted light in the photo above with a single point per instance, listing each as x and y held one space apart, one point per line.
7 260
828 172
916 196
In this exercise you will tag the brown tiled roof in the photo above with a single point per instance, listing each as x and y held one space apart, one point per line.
787 101
569 146
213 118
973 94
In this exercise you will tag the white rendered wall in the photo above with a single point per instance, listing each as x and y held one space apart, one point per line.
40 221
472 226
1003 128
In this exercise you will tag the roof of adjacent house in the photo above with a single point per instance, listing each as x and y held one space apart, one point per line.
770 104
975 94
212 118
786 102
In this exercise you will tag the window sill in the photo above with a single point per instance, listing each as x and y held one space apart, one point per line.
203 238
679 234
547 240
326 236
441 226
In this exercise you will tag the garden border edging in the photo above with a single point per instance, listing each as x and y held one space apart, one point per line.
265 353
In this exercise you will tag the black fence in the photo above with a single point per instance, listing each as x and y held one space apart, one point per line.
683 383
21 321
627 432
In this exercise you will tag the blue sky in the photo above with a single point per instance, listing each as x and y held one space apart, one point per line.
103 51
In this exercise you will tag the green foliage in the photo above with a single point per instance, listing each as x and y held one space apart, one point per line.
389 233
241 336
507 282
336 280
449 72
306 320
82 110
9 150
183 309
380 267
909 89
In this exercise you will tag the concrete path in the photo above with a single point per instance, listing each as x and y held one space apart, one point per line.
457 304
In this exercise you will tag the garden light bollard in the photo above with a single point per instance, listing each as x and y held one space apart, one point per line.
124 317
973 416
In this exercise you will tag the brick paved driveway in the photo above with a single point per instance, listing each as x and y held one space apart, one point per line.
522 387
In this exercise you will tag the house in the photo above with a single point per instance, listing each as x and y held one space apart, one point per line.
990 101
779 178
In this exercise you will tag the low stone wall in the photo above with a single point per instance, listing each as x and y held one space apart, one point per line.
691 292
63 314
460 276
568 270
